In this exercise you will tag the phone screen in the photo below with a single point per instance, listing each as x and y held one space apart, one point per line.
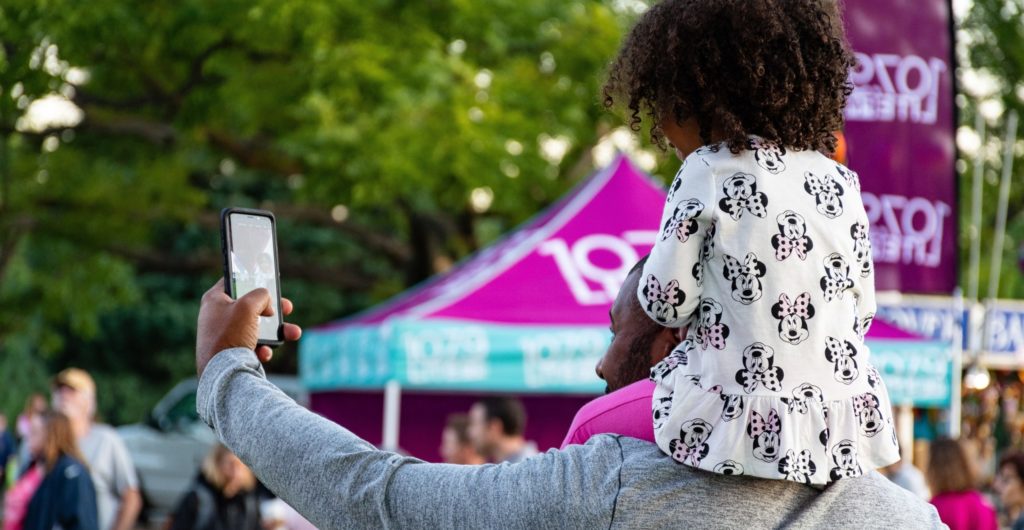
253 263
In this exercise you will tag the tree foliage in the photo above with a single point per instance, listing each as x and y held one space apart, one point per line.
992 80
390 138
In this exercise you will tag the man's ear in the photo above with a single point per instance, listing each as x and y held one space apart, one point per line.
666 340
678 334
495 427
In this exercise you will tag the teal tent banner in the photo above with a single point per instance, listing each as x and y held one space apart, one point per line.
455 355
919 373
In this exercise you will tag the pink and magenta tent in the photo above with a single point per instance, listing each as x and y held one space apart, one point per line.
528 314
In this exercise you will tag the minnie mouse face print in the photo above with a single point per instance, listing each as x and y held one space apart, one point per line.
758 369
841 353
745 277
741 196
793 315
766 434
691 446
768 155
792 239
826 192
797 467
682 224
663 303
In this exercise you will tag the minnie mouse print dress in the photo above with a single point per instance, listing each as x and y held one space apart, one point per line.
765 255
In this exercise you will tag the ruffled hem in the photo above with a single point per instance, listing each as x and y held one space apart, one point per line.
805 440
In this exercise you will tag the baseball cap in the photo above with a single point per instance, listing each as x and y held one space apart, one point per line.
75 378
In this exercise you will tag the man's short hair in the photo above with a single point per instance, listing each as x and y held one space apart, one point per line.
639 265
508 410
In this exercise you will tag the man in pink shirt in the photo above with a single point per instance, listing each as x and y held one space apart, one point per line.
638 343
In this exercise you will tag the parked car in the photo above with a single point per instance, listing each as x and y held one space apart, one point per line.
169 446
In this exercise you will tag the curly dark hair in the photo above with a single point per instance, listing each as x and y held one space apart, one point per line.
774 68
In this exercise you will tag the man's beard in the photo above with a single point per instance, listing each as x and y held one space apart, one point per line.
637 365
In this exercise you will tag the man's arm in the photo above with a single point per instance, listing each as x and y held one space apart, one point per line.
128 513
126 482
338 480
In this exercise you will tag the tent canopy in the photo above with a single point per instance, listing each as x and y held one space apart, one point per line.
529 313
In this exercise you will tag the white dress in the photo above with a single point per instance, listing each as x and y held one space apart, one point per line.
765 256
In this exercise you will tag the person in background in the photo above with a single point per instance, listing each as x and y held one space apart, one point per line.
456 447
223 497
34 405
17 498
953 482
496 426
117 486
1009 485
8 449
66 498
907 477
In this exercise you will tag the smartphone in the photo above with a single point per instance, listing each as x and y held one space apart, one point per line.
248 240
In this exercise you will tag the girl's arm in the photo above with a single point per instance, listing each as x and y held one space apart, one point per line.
671 284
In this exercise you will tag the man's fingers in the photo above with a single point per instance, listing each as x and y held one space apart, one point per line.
264 354
211 293
286 306
292 332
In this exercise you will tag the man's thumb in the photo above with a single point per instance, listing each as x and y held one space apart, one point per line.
258 301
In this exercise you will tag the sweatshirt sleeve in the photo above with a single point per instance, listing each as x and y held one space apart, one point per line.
77 508
670 287
338 480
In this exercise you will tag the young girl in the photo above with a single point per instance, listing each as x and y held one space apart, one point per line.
764 249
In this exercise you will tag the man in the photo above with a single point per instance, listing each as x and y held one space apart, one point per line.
340 481
496 427
117 487
638 343
456 446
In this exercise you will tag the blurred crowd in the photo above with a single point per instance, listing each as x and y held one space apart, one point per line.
63 469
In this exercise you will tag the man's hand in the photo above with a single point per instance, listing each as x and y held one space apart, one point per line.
225 323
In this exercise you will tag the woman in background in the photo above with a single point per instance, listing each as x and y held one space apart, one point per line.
223 497
66 498
1009 484
953 483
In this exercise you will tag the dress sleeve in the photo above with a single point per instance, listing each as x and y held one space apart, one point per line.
670 287
864 276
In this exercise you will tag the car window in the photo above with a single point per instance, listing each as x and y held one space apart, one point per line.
182 414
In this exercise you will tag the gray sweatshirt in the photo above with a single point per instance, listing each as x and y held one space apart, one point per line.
338 480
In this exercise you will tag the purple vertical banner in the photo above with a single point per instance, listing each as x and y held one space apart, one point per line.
900 132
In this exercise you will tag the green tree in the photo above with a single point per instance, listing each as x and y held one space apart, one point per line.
992 76
390 138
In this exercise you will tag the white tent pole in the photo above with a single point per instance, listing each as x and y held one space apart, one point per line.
956 390
1004 198
392 402
977 178
996 265
905 432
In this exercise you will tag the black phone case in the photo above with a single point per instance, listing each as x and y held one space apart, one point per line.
225 244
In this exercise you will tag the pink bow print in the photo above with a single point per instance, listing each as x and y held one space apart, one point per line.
713 335
787 246
798 307
759 425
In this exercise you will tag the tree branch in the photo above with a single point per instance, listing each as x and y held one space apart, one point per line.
255 153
